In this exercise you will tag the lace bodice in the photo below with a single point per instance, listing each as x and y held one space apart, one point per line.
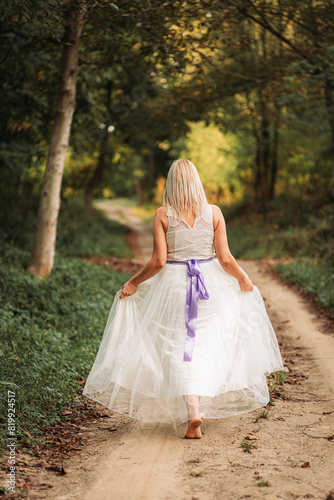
184 242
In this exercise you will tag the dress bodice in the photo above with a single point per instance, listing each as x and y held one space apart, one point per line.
185 242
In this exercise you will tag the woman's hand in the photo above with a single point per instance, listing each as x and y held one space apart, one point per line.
128 289
245 284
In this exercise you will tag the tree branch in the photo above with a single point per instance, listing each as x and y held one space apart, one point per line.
31 36
265 24
239 75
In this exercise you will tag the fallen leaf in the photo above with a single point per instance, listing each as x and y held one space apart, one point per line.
250 437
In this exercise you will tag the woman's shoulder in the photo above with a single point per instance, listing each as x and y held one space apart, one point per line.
160 216
217 215
161 212
216 211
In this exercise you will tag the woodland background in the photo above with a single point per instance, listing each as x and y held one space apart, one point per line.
97 99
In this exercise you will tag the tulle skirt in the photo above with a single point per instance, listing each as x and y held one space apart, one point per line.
139 369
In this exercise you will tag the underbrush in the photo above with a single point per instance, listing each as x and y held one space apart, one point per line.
77 234
287 230
82 236
314 278
293 229
51 329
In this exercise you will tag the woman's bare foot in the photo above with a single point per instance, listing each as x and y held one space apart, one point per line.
194 429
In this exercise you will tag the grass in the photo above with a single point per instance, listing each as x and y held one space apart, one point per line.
77 234
295 232
263 414
263 482
276 382
314 278
233 464
51 329
82 236
247 446
196 460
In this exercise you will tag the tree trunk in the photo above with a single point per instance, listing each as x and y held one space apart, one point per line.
264 146
150 174
257 178
274 154
96 177
139 192
265 157
329 99
45 234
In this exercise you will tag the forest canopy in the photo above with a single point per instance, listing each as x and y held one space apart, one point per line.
98 98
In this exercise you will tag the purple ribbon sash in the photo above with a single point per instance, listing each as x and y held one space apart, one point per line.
195 291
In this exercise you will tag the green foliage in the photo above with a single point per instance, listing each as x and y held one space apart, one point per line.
77 235
148 87
313 277
212 153
293 229
94 236
51 331
276 382
262 414
247 446
263 482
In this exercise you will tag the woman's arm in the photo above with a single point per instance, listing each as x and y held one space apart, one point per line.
225 258
156 262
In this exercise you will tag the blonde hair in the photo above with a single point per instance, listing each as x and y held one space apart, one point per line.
184 189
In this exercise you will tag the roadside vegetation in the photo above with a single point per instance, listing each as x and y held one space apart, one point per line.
51 329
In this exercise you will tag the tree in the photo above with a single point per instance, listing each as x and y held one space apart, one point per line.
45 235
125 25
251 59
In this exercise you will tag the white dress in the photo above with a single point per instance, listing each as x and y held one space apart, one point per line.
140 369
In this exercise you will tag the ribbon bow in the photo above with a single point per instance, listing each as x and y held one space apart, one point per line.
195 291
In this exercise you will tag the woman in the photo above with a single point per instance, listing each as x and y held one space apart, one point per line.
188 337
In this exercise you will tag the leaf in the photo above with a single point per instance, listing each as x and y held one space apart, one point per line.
250 437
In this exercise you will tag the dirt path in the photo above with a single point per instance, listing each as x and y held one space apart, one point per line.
125 459
124 215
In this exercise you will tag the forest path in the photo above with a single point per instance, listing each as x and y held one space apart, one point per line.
294 444
143 245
